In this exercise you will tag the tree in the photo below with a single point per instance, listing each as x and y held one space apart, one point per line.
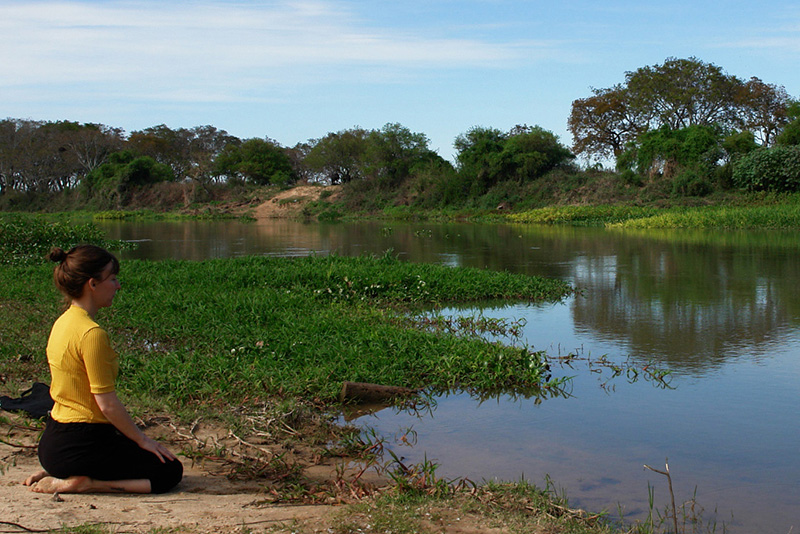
339 157
769 169
260 161
790 135
668 153
91 143
603 124
684 92
763 109
166 146
110 183
487 156
531 151
393 152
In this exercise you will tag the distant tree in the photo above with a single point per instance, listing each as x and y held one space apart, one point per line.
91 143
393 152
339 157
259 161
531 151
205 144
36 157
790 135
110 183
487 156
684 92
14 135
603 124
166 146
763 109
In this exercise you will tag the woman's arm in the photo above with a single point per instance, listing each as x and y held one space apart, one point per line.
116 413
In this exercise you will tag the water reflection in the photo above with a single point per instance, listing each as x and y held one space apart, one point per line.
688 299
720 310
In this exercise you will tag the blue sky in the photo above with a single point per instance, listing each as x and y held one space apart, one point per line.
296 70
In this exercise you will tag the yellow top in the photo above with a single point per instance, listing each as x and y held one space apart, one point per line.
82 363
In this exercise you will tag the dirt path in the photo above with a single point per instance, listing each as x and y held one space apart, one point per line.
290 203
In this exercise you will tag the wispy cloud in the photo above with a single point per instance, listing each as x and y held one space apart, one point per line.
159 44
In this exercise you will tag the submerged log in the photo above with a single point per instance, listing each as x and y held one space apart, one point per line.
363 392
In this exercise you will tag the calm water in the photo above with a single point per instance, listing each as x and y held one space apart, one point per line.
721 311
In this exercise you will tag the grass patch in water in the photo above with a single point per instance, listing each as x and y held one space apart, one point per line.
582 215
767 213
28 238
780 216
256 327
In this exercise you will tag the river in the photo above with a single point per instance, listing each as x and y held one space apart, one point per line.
719 310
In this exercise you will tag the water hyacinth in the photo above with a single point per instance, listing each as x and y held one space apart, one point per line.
28 238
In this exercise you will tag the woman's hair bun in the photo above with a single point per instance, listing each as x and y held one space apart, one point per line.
57 255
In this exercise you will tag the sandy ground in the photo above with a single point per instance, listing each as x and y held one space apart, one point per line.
205 501
290 203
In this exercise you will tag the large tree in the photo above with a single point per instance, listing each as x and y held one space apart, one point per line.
684 92
764 109
678 94
604 123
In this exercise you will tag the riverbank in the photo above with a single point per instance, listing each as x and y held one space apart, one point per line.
739 211
240 371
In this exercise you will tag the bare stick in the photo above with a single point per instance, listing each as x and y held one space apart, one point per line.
671 493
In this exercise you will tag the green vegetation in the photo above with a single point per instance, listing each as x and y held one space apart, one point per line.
679 131
781 214
259 326
24 238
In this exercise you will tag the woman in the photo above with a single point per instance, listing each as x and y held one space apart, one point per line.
90 443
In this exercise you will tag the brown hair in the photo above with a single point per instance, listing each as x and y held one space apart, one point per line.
81 264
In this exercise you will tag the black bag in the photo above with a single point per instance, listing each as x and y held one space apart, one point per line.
35 401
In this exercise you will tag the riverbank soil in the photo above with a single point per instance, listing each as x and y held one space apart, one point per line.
212 498
209 499
290 203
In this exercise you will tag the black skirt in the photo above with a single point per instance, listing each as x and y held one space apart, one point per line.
101 452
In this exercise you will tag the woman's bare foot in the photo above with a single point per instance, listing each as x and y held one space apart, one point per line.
76 484
36 477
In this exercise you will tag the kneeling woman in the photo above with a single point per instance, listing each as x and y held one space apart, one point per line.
90 443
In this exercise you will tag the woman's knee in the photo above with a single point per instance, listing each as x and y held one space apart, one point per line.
168 477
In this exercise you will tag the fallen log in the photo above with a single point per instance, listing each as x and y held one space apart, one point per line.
363 392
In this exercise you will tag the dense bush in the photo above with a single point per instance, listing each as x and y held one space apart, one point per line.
110 183
773 169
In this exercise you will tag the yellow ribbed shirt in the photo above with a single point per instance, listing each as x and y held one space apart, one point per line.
82 363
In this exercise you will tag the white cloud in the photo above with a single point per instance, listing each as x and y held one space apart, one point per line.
164 44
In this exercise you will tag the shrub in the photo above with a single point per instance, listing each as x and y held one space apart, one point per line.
769 169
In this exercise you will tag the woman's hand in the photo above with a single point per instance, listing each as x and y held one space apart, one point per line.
157 448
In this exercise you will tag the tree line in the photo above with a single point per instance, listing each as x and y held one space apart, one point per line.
685 122
690 122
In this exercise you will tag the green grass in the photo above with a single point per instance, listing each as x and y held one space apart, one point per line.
582 215
761 213
780 216
256 327
25 237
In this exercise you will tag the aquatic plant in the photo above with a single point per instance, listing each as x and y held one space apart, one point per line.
28 238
